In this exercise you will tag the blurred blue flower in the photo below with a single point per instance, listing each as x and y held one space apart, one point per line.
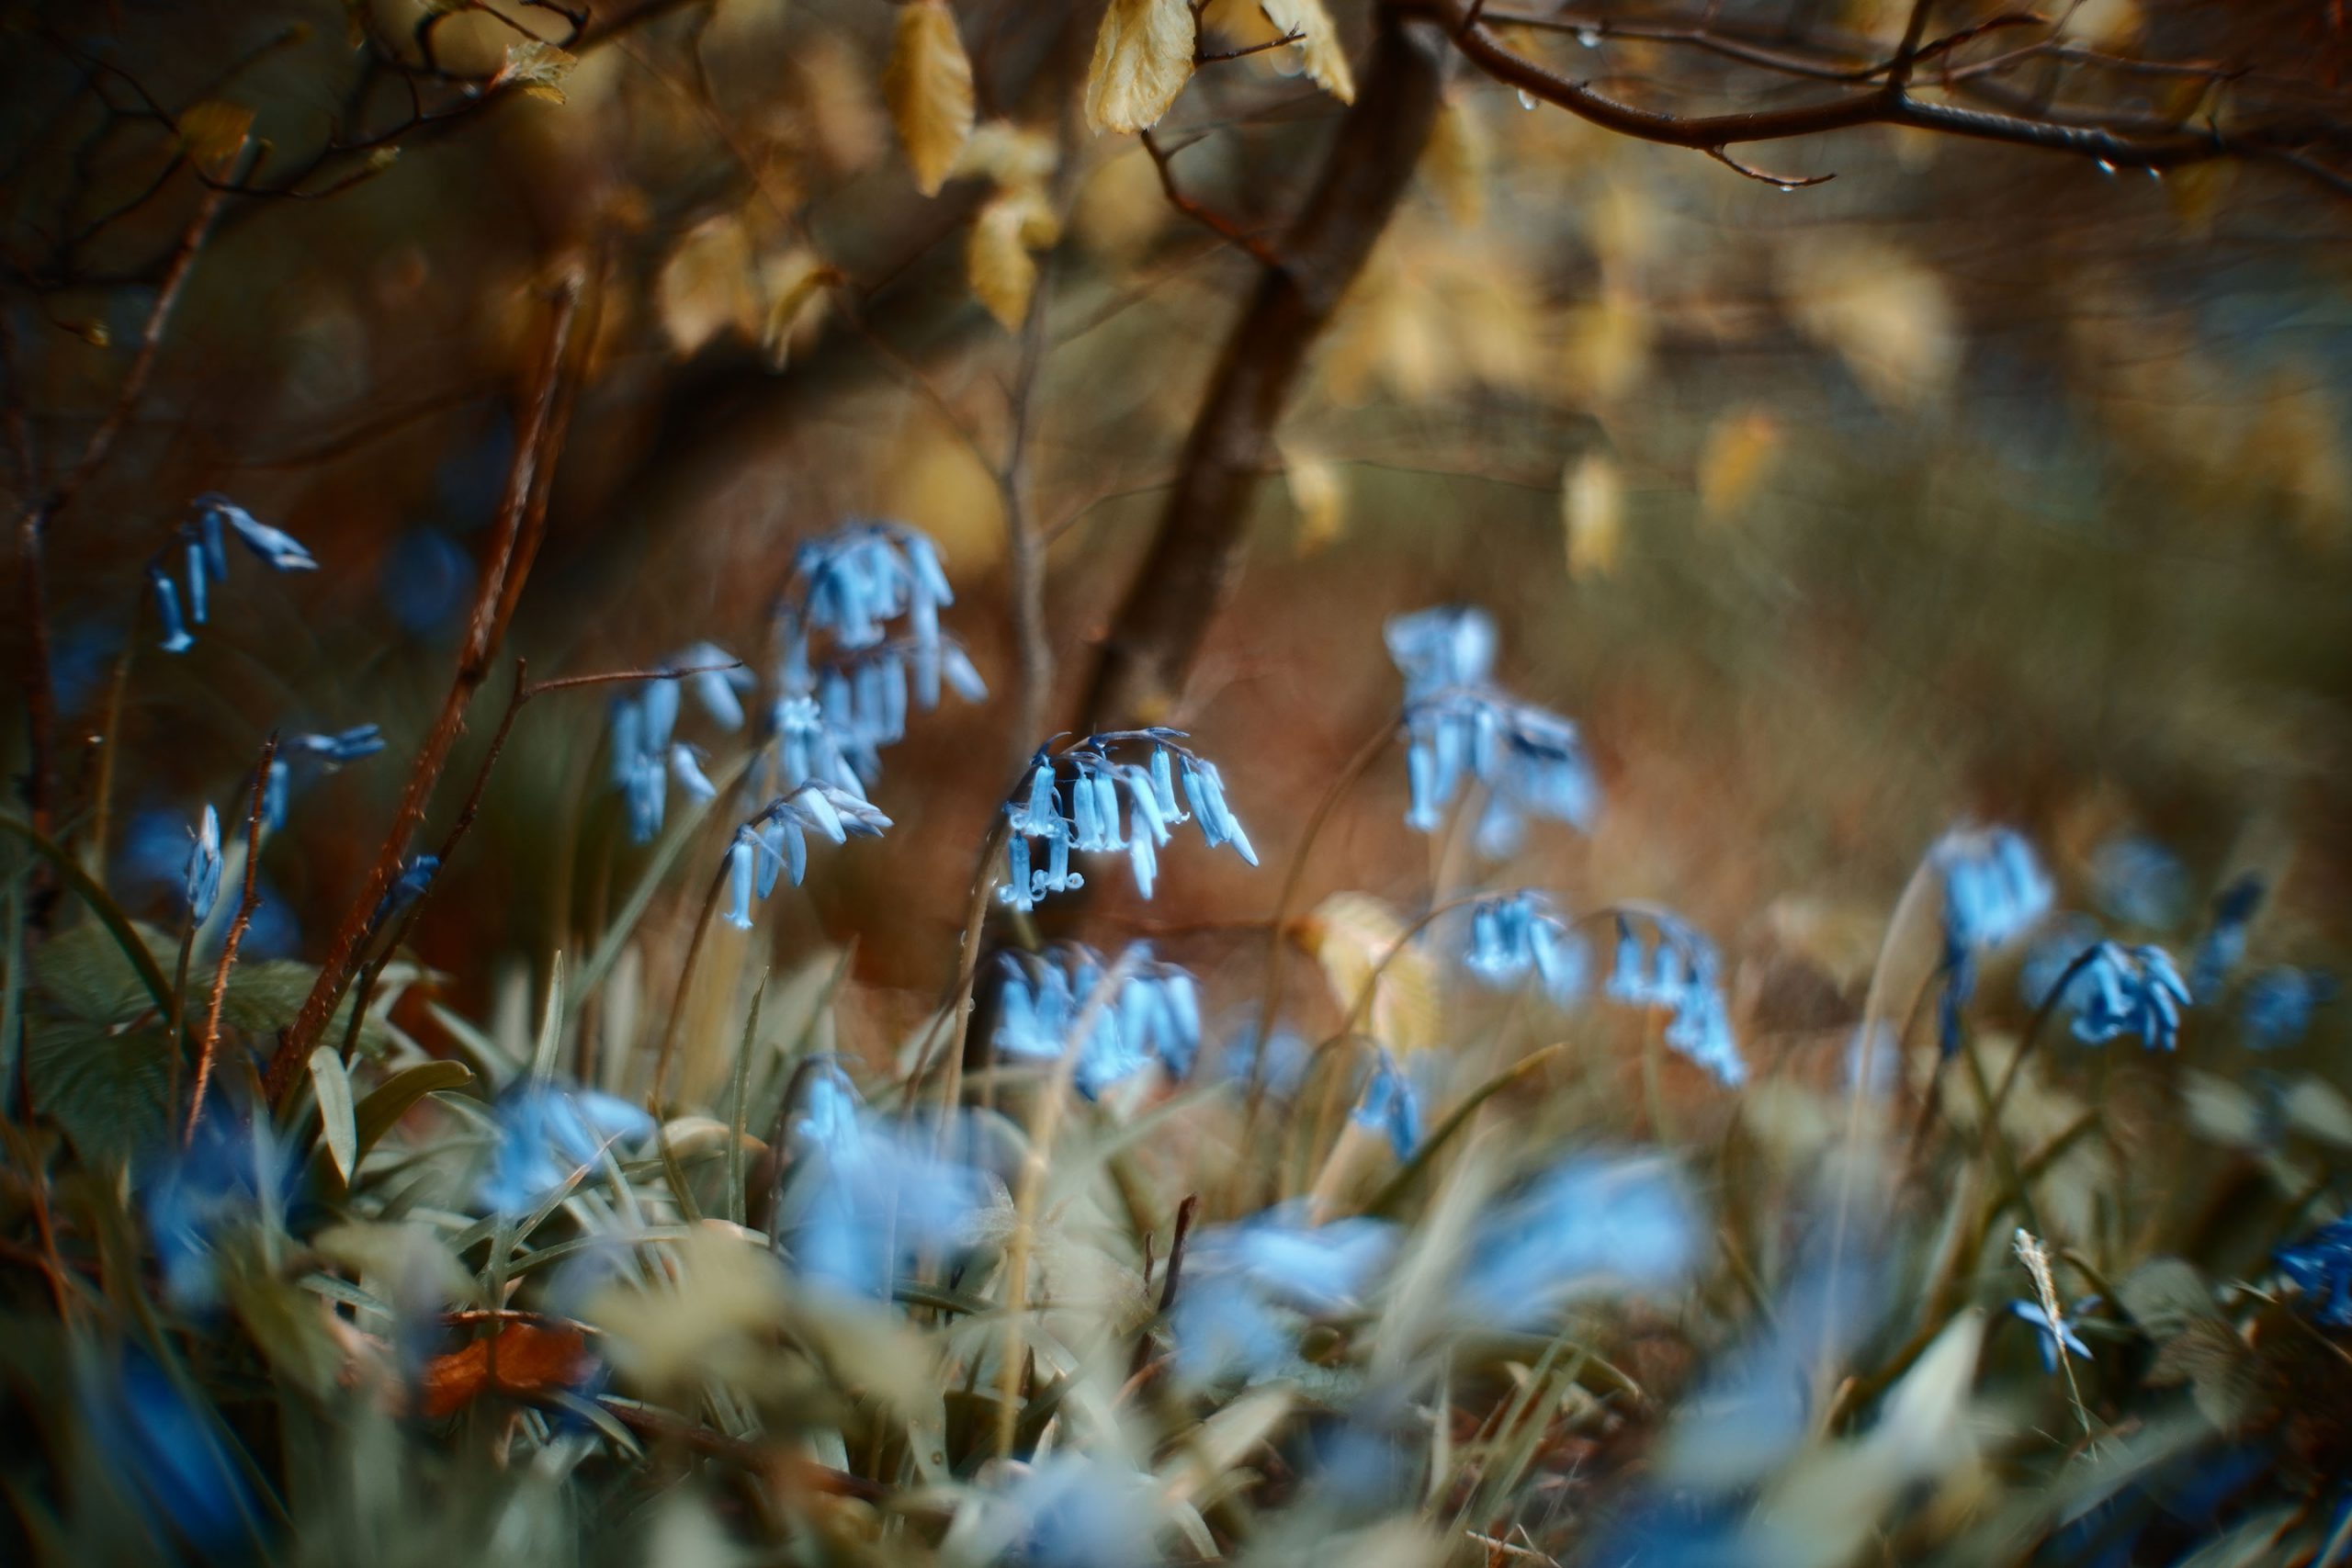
2223 946
1155 1014
641 724
2138 882
545 1134
1588 1224
2056 1339
2132 990
2321 1265
427 578
177 1462
1069 800
1076 1511
1248 1287
1390 1104
2276 1007
1279 1063
1994 892
200 883
233 1177
1677 970
1522 931
167 609
775 841
865 1191
1459 727
410 886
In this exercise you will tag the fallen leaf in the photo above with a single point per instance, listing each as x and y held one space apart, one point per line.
522 1359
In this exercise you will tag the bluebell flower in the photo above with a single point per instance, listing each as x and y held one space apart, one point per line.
1520 931
1072 800
2132 990
718 677
2320 1266
201 881
2055 1339
1994 892
1079 1510
233 1179
326 752
176 1462
1390 1104
277 548
2276 1007
1154 1016
545 1134
1249 1287
685 766
2138 882
774 840
426 580
408 887
1589 1223
1460 727
2224 947
167 609
865 1192
1677 970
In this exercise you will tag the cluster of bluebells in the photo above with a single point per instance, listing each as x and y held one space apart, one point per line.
776 840
1248 1287
1994 892
1459 726
1390 1105
203 544
866 1190
235 1175
1520 931
545 1134
647 753
1070 801
2109 988
1677 969
2321 1265
1153 1015
324 752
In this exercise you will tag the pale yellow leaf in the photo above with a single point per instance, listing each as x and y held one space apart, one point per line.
1317 491
1888 316
710 1320
1318 44
535 67
996 255
1455 162
1389 985
1010 154
928 84
706 285
2106 23
1607 348
1142 57
794 284
214 131
1593 513
838 119
1734 462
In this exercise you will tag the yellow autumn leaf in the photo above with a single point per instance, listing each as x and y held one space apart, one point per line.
996 256
1592 512
1456 159
1010 154
214 131
794 284
706 285
928 84
1887 315
537 68
1317 491
1142 57
1737 456
1318 44
1388 986
1607 348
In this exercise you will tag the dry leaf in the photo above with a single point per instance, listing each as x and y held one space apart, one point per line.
1356 937
1456 160
214 131
1592 512
996 256
1607 348
1010 154
1737 457
523 1358
1317 491
1142 57
536 67
794 283
706 287
928 84
1889 317
1318 44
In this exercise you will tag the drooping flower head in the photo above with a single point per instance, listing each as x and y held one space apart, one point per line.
1151 1014
1390 1104
1521 931
776 840
199 545
1071 800
2130 990
201 881
1994 892
546 1132
325 754
1677 969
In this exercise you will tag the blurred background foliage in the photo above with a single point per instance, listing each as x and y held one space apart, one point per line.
1979 482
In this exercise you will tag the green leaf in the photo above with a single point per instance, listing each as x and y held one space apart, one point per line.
550 1026
101 904
85 974
263 999
108 1088
390 1099
336 1118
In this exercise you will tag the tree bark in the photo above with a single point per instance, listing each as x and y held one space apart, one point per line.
1189 569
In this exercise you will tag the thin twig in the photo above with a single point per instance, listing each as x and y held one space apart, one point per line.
247 903
1205 216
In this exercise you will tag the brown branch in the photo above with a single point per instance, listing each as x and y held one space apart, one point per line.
1199 212
209 1046
520 519
1187 572
1778 182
